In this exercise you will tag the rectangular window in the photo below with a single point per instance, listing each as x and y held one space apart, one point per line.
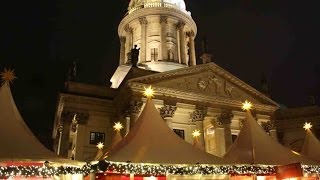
96 137
154 54
179 132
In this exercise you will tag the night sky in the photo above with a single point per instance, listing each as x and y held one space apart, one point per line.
247 37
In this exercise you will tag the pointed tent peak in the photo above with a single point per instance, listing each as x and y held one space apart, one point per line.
250 147
311 146
8 75
26 146
148 92
116 139
117 126
151 141
307 126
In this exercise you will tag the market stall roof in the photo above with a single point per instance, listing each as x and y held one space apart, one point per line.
311 146
254 146
151 141
17 141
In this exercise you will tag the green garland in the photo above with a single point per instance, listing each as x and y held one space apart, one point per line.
146 169
41 171
162 170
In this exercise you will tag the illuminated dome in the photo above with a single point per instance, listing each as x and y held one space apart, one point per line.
180 4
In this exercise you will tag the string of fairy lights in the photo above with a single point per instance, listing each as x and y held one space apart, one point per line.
147 169
41 171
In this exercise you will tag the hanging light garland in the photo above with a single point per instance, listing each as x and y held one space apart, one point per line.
181 169
41 171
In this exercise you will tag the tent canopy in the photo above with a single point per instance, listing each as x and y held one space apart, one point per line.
17 141
151 141
254 146
311 146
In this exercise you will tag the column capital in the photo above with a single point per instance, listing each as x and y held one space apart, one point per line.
181 24
122 39
164 19
198 115
72 116
60 128
190 34
223 119
143 20
167 111
135 107
267 126
127 28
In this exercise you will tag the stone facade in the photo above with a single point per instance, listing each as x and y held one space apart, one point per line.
189 96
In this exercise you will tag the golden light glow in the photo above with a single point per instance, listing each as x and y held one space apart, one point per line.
196 133
8 75
100 145
246 105
307 126
148 92
117 126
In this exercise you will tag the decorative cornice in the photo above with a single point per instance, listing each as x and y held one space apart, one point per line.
200 68
167 111
214 99
198 115
170 12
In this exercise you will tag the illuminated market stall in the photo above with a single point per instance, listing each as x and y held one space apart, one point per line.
21 154
254 146
151 149
311 145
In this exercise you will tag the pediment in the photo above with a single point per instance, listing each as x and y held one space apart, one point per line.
207 80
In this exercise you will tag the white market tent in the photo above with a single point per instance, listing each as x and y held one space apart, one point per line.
311 146
18 144
254 146
151 141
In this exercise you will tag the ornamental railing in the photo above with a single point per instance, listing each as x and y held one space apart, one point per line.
157 4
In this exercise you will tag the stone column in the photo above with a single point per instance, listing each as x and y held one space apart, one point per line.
134 109
128 42
167 113
127 121
192 49
143 48
77 127
223 132
177 48
122 58
182 39
197 117
163 35
59 138
66 118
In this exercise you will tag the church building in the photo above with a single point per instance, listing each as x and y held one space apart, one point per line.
158 49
